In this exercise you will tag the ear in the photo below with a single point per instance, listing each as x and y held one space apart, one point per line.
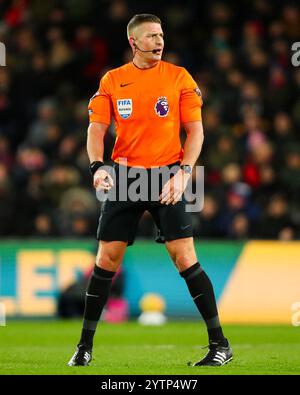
132 41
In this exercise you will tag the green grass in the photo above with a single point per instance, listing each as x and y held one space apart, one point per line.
44 347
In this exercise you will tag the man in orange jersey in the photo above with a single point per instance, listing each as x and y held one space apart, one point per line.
148 99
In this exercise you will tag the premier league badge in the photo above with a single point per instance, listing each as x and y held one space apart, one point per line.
162 107
124 108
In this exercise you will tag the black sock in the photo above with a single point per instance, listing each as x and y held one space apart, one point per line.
202 292
96 297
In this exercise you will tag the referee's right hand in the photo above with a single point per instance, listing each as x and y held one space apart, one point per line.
103 180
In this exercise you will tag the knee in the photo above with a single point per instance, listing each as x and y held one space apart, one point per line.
183 260
183 255
108 260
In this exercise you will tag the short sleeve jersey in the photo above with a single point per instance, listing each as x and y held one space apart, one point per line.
148 106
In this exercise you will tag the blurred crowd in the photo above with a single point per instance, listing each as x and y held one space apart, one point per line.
238 52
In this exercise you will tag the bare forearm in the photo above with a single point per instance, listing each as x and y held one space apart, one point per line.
193 143
95 141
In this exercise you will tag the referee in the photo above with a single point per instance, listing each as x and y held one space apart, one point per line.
149 100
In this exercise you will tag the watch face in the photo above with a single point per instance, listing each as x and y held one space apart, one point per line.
187 169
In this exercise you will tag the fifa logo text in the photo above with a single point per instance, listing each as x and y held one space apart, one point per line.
2 54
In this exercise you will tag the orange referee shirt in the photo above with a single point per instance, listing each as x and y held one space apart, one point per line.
147 106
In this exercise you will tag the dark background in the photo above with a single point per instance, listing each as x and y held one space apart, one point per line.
238 52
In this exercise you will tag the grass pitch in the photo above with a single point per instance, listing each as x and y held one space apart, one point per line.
45 347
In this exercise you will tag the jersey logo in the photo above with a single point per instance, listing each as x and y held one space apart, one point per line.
162 107
122 85
124 108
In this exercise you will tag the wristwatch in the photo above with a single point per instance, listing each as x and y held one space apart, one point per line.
94 166
186 168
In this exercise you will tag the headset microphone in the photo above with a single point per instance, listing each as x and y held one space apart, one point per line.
152 50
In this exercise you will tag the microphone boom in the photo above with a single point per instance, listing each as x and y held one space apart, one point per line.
142 50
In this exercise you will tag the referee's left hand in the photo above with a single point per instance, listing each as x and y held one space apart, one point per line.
174 188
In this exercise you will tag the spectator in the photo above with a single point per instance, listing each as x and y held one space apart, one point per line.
239 227
290 172
276 223
206 223
43 226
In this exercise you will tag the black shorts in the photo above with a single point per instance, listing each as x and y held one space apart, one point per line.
119 219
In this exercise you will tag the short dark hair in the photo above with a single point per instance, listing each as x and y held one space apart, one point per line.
138 19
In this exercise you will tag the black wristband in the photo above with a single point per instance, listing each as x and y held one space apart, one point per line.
94 166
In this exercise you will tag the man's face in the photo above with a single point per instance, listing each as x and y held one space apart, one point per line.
149 36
